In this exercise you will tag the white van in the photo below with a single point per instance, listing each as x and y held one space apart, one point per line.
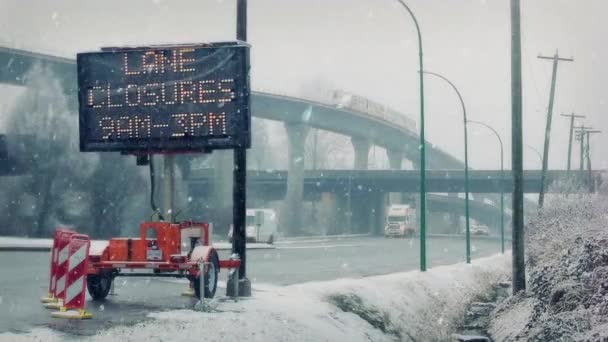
261 226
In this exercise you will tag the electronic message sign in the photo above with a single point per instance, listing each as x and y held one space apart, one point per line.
185 98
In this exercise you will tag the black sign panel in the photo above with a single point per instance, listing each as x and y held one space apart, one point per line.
186 98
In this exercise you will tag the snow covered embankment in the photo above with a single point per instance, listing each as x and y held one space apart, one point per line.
567 266
403 306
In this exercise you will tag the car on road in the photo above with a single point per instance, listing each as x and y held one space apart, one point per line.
260 226
478 229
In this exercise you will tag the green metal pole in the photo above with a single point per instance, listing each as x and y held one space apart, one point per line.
518 262
466 165
502 178
422 146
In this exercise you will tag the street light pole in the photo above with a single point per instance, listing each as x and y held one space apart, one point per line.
502 177
466 165
540 157
422 145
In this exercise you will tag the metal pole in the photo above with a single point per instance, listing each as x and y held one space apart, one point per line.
422 146
502 178
543 176
169 187
239 242
519 270
466 165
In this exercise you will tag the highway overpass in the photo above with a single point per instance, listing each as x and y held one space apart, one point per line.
404 181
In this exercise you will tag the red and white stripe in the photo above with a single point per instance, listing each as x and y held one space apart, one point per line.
61 266
76 276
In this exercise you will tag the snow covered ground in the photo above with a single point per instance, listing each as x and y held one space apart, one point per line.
402 306
567 269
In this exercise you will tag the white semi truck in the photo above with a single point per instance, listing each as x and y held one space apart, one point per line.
400 221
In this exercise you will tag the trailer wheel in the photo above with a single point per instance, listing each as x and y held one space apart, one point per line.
210 278
99 285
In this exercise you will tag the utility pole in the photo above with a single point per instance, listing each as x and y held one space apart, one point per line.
590 175
518 259
555 59
580 135
571 116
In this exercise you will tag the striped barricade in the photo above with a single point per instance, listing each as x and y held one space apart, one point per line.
59 258
74 294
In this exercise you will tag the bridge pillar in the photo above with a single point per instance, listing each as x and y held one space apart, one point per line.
329 218
454 216
395 161
361 207
291 213
361 147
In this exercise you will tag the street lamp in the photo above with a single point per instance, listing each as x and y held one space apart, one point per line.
502 177
537 153
422 146
466 164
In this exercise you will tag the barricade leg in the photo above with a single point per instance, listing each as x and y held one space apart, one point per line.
50 297
74 294
190 291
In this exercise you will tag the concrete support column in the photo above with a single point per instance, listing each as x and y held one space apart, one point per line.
395 160
329 218
454 216
361 147
221 201
379 215
291 213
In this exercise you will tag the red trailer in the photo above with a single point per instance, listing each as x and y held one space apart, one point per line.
167 249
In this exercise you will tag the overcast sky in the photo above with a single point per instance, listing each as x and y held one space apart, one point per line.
369 47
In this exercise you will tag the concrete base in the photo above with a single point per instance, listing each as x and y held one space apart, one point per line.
244 288
54 305
48 299
188 293
72 314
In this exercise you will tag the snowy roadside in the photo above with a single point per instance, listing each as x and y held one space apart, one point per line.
567 276
8 243
402 306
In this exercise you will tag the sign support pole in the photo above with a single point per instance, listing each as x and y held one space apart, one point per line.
239 243
169 187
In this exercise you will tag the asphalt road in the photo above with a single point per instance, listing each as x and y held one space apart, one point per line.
24 277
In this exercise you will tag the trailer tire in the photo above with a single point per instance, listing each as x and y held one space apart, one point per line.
99 285
210 278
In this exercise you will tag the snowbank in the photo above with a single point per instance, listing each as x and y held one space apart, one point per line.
567 270
402 306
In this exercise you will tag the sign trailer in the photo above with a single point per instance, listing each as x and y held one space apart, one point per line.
157 100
